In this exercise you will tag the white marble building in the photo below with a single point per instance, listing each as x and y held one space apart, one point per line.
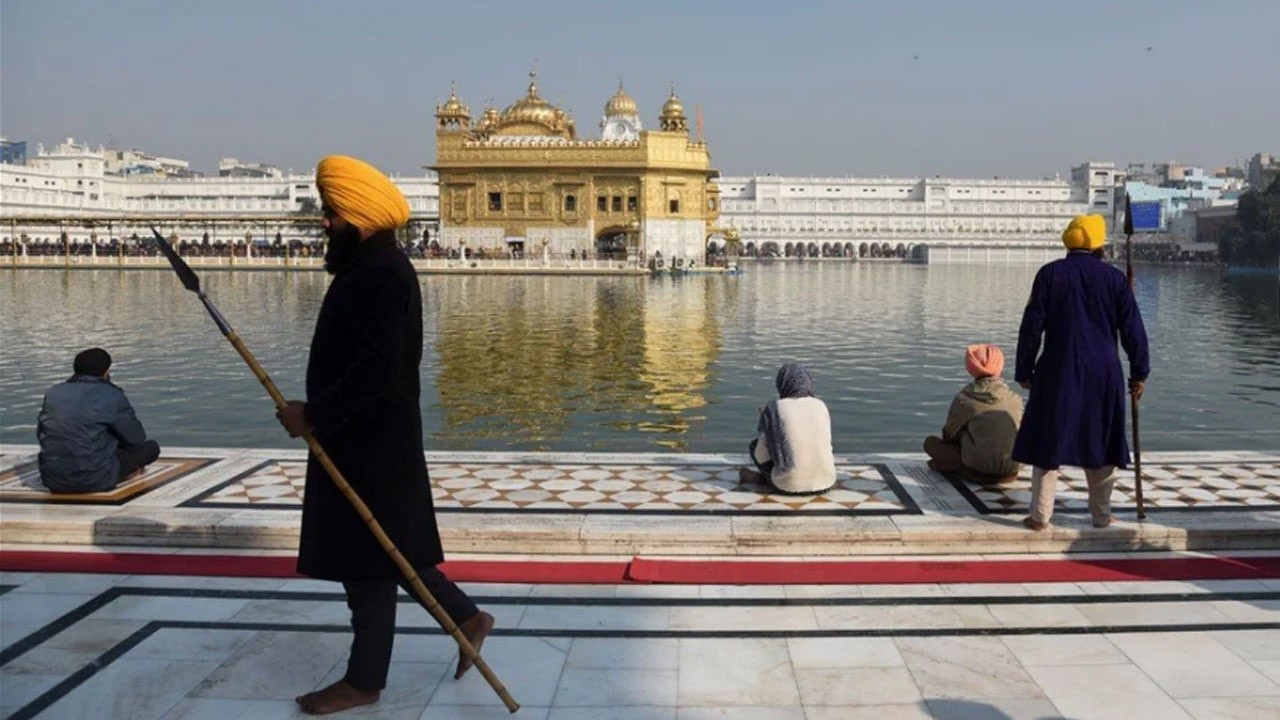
952 217
71 181
957 220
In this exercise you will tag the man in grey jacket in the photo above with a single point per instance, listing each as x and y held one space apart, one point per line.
90 438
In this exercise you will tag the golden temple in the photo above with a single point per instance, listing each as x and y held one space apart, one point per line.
522 179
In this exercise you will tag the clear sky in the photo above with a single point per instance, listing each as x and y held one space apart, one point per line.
977 88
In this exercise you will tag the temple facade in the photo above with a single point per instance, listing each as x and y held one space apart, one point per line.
521 179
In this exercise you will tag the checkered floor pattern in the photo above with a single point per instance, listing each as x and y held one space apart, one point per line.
1210 486
586 488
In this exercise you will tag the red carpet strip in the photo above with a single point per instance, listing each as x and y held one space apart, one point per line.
481 571
767 572
690 572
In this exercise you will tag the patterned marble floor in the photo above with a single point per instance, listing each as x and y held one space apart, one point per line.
653 484
590 488
1165 486
655 503
180 648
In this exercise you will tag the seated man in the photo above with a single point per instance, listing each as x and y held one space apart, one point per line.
793 451
981 424
90 438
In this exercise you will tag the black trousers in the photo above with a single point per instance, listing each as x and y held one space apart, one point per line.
373 618
137 456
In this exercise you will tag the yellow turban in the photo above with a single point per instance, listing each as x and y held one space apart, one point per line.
361 194
1086 232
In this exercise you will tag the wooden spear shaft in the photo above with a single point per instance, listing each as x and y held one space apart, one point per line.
1133 399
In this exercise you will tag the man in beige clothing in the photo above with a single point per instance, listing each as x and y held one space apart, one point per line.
981 425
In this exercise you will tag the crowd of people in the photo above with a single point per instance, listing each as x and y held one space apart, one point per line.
363 406
134 246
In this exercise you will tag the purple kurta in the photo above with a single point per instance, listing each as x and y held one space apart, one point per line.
1075 414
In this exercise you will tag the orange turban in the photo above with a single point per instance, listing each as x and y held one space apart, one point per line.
361 194
983 361
1086 232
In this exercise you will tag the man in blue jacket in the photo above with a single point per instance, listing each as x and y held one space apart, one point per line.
90 438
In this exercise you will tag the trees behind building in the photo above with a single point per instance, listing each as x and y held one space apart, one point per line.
1257 241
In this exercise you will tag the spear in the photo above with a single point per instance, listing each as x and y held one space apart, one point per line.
192 283
1133 399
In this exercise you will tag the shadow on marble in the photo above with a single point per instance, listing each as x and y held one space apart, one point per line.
950 709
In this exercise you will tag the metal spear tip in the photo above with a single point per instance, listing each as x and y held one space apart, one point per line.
185 273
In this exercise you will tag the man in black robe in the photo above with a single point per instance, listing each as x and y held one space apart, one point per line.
362 406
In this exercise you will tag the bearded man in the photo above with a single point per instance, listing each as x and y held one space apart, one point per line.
362 405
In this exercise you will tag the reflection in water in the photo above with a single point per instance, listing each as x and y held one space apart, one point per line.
525 362
630 364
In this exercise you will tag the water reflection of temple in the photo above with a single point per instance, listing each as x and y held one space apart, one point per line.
541 362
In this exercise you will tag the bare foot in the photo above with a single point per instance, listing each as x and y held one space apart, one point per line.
1102 522
335 698
1032 524
746 477
476 630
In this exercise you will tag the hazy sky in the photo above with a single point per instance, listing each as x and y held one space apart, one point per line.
1019 88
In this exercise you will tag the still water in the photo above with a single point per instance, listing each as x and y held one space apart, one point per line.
633 364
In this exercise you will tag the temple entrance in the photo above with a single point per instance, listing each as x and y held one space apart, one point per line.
611 243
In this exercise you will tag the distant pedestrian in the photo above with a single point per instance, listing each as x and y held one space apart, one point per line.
793 450
90 438
982 422
1075 412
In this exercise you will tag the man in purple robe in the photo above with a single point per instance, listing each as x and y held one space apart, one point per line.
1075 413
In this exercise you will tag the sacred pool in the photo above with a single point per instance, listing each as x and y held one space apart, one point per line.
618 364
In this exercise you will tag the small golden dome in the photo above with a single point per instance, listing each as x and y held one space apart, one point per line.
672 118
453 107
621 104
672 108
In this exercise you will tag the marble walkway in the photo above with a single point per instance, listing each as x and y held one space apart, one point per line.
659 503
165 647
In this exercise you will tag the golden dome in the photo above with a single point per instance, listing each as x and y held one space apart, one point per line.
672 108
453 107
672 118
531 113
621 104
530 108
